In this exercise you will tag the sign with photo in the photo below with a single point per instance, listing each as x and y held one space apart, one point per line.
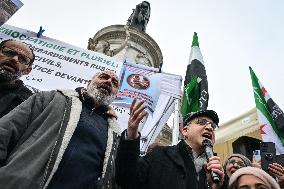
140 82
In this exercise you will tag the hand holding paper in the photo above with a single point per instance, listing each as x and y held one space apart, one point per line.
137 113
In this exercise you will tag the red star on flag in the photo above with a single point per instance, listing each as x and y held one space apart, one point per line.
263 90
261 129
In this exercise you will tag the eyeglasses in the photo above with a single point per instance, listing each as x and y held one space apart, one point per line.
205 122
239 163
23 59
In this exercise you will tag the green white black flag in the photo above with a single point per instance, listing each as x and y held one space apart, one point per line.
195 96
270 116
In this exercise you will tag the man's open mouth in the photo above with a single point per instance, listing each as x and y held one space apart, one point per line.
105 88
207 135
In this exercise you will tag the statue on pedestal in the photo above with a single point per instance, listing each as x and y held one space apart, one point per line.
140 16
141 58
103 46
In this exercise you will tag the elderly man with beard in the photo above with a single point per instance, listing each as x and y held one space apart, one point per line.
62 139
16 59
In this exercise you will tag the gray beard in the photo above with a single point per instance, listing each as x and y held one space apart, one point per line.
6 76
99 97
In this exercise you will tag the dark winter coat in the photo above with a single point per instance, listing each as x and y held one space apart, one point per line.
163 168
12 95
34 136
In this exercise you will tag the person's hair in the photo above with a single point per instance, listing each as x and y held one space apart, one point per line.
246 161
96 74
100 72
2 44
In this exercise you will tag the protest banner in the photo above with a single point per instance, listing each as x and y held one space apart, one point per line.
58 64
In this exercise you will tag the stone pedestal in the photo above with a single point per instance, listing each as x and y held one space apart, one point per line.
165 136
141 48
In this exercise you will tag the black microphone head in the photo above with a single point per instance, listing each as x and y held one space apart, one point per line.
207 146
206 143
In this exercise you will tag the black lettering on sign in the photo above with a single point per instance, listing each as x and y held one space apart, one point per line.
42 69
71 78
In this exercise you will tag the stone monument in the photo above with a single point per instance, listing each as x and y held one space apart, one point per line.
129 42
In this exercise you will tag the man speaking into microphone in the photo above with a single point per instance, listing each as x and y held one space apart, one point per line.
183 166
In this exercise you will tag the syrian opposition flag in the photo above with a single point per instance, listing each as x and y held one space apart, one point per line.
270 116
195 96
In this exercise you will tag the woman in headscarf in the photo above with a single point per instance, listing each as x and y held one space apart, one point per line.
233 163
252 178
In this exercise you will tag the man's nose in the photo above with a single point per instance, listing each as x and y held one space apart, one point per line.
236 165
15 58
209 126
108 81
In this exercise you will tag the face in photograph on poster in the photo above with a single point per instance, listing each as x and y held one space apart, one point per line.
140 82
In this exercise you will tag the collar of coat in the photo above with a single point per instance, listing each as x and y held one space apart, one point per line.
78 93
110 112
113 132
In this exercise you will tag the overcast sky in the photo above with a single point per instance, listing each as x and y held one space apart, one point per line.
233 35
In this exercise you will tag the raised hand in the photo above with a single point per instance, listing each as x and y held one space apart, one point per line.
137 113
278 171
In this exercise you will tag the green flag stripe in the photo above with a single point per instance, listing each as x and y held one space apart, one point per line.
192 100
191 93
261 103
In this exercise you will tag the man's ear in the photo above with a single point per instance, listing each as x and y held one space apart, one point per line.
27 71
184 130
180 128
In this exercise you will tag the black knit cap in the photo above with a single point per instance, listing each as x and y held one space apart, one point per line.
209 113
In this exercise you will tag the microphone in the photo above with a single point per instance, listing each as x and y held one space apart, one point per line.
207 146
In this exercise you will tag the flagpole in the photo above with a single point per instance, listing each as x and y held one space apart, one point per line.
175 132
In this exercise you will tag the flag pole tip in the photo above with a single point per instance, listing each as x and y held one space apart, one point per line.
195 40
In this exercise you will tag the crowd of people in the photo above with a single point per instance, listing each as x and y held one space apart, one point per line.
70 139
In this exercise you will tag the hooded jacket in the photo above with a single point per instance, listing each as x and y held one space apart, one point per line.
34 136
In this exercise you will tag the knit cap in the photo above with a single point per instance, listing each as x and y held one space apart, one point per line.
257 172
242 157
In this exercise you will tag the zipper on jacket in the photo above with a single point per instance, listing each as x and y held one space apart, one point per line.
52 151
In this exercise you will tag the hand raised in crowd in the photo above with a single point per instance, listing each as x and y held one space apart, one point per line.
278 171
256 163
214 164
137 113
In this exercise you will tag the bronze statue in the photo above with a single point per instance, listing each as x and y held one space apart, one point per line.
140 16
